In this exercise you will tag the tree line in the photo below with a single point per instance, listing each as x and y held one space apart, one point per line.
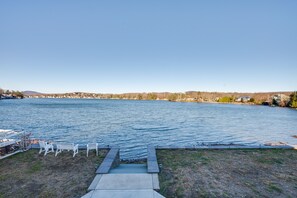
293 100
11 93
191 96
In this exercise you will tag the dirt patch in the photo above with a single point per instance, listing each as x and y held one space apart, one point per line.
228 173
29 174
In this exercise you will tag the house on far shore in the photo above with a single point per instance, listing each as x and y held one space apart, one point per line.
243 99
281 100
7 96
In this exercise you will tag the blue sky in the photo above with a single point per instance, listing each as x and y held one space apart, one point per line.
143 46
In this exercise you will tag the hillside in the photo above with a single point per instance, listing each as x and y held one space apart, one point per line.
31 93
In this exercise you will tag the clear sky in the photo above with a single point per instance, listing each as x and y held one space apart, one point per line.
142 46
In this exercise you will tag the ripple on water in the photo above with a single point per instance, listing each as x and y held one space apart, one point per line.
153 128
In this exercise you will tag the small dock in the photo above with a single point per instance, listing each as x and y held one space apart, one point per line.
126 180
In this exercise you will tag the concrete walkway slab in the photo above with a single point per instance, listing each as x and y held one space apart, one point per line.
125 194
157 195
155 179
95 182
129 168
125 182
88 195
114 180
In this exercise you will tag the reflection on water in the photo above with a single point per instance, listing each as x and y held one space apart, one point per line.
133 125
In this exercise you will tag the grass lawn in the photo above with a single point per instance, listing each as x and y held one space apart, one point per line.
29 174
228 173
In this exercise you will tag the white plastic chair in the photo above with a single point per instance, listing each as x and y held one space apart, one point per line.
92 146
46 147
67 146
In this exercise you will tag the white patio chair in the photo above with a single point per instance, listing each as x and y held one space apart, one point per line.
46 147
68 147
92 146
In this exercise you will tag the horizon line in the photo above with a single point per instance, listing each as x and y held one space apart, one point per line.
146 92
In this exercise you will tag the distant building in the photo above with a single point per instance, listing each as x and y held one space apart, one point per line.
280 100
7 96
281 97
243 99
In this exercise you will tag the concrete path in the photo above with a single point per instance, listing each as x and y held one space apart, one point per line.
123 194
127 180
129 168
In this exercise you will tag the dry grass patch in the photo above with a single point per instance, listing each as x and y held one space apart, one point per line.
228 173
29 174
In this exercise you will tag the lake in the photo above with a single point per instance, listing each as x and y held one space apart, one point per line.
133 125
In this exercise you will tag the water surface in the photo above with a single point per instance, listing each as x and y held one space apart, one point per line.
133 125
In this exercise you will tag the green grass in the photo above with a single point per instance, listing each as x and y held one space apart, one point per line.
271 157
24 157
2 178
204 160
36 167
179 191
268 160
47 194
274 187
252 186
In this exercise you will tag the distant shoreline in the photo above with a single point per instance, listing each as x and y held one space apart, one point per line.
280 99
204 102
